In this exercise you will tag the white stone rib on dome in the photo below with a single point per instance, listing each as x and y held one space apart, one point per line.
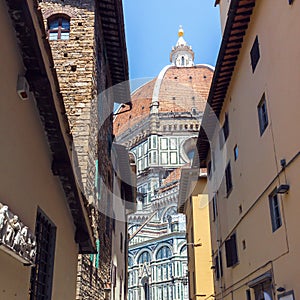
206 65
155 95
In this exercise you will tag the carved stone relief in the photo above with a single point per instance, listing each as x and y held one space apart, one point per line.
16 237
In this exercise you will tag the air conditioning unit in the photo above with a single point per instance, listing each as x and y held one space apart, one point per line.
23 88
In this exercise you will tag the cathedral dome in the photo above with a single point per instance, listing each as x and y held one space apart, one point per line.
175 90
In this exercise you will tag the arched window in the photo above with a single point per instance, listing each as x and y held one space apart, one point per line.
144 257
130 261
182 60
183 251
164 252
59 27
172 211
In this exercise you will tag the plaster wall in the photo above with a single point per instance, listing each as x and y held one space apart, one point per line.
27 181
245 210
198 232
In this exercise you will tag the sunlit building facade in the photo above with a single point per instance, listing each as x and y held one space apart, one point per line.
161 131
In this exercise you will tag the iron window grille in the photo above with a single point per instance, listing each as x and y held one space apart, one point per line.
42 273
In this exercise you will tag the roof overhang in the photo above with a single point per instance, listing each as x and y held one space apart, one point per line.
51 110
112 25
188 180
238 19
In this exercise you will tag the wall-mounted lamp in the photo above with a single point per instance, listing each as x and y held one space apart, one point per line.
281 289
283 189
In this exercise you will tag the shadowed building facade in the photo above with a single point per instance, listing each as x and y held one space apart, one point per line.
88 46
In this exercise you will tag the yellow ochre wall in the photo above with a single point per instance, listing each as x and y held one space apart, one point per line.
26 180
199 243
255 172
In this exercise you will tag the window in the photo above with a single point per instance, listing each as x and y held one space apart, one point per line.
228 179
215 207
224 132
164 252
209 169
144 257
262 114
275 211
94 258
236 152
218 265
231 251
263 290
254 54
226 128
130 261
42 273
59 27
182 60
121 242
248 295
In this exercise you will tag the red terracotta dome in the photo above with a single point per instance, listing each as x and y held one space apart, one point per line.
176 89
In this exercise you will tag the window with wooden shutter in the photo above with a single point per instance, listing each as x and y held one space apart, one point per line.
228 179
275 211
231 251
262 114
218 265
255 54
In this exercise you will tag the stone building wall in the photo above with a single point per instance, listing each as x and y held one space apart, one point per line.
83 74
75 67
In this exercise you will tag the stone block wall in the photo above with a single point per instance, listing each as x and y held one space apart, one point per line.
83 74
75 66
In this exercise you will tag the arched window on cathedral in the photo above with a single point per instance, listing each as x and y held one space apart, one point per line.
164 252
183 251
182 61
144 257
130 261
59 27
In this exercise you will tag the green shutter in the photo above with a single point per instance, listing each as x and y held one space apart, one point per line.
98 254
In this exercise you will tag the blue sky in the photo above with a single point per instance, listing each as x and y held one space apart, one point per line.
151 30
